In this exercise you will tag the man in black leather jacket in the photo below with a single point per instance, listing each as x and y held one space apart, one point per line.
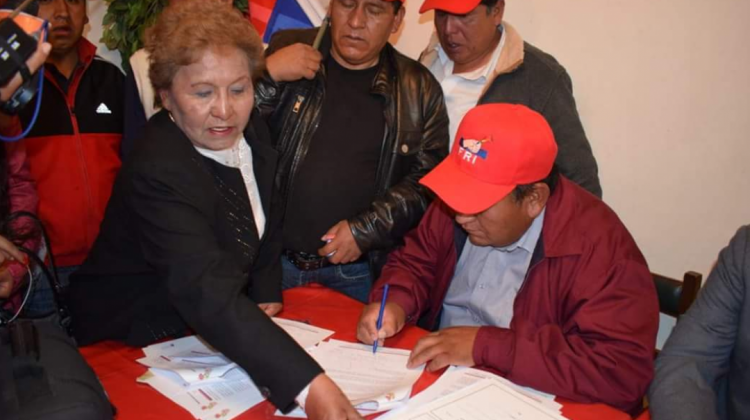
355 135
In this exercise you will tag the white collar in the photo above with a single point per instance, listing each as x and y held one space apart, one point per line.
227 157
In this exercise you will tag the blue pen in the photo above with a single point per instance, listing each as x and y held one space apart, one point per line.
380 317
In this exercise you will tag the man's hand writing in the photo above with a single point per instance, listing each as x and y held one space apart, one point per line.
394 319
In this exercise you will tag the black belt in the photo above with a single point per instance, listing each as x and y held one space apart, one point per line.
306 261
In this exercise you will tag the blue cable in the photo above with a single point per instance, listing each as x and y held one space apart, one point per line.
38 101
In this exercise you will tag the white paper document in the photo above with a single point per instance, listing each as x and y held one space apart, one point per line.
374 382
224 400
305 335
456 378
199 379
189 369
171 348
486 399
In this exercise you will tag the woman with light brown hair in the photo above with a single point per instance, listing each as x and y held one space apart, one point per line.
191 238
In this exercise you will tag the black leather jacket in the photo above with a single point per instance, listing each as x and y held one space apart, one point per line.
416 139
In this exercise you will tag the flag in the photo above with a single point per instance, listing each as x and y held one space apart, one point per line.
269 16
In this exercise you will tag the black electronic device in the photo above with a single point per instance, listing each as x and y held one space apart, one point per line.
16 46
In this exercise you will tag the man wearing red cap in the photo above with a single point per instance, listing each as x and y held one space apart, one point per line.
478 58
550 290
356 131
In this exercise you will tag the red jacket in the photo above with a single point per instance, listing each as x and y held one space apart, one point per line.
74 152
585 319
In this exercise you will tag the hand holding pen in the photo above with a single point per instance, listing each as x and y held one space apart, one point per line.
391 322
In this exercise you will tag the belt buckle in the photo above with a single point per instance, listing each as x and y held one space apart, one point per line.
310 265
304 264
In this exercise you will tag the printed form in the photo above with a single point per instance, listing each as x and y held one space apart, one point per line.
456 378
372 382
487 399
199 379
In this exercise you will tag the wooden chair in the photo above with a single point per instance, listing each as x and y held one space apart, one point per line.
675 297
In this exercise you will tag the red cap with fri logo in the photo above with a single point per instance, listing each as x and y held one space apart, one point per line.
497 147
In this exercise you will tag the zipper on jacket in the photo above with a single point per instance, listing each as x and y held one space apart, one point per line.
70 100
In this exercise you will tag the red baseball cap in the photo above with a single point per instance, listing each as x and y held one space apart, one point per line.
456 7
497 147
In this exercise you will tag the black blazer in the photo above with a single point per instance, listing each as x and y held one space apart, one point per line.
167 257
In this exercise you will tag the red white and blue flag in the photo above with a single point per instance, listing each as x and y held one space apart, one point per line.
269 16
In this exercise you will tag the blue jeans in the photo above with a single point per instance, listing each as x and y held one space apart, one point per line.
42 301
353 280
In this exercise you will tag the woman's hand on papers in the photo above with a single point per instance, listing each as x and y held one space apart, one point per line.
326 401
394 319
271 308
450 346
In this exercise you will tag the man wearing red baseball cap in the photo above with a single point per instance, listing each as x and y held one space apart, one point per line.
357 124
549 290
478 58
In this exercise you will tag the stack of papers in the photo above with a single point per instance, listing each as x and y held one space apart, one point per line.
201 380
372 382
471 394
208 385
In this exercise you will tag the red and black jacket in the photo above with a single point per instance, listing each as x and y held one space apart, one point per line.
74 152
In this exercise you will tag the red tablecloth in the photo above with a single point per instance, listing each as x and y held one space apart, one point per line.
116 367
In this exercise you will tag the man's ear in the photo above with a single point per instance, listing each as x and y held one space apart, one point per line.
536 200
398 19
498 12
